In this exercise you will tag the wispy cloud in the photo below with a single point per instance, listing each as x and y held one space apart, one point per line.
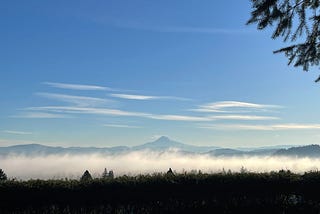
121 126
78 86
243 117
168 117
272 127
201 30
77 100
85 110
133 97
146 97
17 132
40 115
181 29
116 112
233 106
179 118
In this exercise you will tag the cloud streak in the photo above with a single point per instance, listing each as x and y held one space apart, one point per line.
167 117
201 30
86 110
40 115
121 126
76 100
133 97
272 127
116 112
17 132
179 118
77 86
146 97
233 106
243 117
182 29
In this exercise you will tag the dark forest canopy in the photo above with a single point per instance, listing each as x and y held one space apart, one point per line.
246 192
296 22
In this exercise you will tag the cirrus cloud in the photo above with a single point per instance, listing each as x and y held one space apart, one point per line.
233 106
147 97
121 126
272 127
17 132
77 100
77 86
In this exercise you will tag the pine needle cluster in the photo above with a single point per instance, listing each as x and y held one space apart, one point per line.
296 21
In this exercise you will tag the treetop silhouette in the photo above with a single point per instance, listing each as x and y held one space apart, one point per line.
296 22
86 176
3 175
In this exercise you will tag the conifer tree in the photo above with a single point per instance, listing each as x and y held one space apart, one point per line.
111 174
3 175
105 174
86 176
297 22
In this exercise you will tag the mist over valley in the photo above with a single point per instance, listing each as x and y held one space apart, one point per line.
35 161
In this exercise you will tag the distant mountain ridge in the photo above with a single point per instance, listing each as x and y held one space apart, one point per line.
33 149
162 144
301 151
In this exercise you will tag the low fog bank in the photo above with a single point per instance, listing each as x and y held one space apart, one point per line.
132 163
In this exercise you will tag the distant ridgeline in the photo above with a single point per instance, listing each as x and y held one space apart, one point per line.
165 144
302 151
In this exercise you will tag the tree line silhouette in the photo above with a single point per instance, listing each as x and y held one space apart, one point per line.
198 192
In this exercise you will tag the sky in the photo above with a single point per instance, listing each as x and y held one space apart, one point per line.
119 72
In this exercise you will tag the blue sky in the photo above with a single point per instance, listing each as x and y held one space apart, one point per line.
107 73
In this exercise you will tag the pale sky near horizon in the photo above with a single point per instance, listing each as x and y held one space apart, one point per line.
116 72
